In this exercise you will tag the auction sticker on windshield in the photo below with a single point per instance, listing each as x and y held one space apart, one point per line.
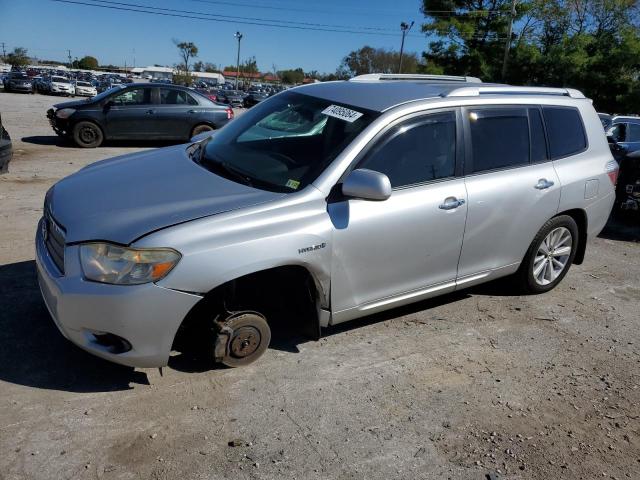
342 113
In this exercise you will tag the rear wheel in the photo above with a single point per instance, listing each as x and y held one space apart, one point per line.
87 135
198 129
550 255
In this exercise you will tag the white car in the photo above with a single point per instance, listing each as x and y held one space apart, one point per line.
60 85
85 89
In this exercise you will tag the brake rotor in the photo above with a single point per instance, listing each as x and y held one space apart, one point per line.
242 338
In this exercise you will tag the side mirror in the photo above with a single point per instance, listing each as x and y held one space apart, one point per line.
107 105
202 136
367 185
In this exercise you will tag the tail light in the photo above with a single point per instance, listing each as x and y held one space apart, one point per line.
230 116
612 170
212 97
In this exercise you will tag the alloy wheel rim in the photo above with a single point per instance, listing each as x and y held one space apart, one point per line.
552 256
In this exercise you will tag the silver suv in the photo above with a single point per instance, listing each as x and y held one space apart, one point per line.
320 205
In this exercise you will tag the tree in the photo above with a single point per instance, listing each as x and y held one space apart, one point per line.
376 60
210 68
88 63
18 58
291 77
198 66
187 50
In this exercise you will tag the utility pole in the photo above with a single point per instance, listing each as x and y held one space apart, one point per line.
69 57
508 44
405 27
238 35
4 53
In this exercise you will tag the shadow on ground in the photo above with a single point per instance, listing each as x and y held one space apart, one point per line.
35 354
63 142
622 226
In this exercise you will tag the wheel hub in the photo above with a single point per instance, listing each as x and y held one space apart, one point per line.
244 342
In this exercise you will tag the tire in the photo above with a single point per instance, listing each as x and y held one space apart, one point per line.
541 272
87 135
250 338
198 129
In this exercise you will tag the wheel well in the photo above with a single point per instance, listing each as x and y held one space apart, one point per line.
208 124
285 295
580 217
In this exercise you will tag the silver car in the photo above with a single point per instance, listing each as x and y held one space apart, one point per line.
320 205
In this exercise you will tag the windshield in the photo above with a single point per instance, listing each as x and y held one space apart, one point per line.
84 84
285 142
60 80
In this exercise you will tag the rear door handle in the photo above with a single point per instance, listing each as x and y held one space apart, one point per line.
543 184
450 203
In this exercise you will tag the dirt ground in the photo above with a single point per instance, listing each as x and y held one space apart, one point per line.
474 385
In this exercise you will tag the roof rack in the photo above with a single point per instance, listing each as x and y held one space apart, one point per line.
509 90
413 77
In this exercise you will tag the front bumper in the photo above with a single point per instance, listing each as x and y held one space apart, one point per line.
146 316
21 87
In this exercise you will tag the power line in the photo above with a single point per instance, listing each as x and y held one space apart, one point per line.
210 17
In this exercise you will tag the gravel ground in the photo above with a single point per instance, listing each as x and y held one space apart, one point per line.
469 385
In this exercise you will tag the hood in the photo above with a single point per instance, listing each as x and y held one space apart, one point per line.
124 198
72 104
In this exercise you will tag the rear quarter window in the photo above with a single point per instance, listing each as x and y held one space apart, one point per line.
565 131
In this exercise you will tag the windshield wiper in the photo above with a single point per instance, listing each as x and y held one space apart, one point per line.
230 171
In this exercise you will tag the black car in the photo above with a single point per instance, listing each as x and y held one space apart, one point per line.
231 97
18 82
254 98
6 151
139 111
623 135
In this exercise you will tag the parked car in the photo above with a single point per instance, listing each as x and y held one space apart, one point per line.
138 112
18 82
231 97
85 89
59 86
6 151
320 205
254 98
623 135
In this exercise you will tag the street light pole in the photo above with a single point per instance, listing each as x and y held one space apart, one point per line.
238 35
508 44
405 27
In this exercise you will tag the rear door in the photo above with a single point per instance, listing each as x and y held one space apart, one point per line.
176 113
512 188
130 114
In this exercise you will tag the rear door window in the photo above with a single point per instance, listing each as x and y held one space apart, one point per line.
564 130
633 132
499 138
170 96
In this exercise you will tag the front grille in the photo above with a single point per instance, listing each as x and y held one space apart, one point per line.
54 240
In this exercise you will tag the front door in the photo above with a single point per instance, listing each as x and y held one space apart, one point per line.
512 189
407 247
130 114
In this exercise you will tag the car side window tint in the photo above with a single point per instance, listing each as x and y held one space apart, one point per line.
538 142
499 138
135 96
565 131
633 132
170 96
417 151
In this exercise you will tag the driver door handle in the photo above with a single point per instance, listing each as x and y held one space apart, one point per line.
543 184
450 203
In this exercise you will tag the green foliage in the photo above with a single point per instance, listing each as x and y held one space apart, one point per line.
592 45
88 63
291 77
182 78
18 58
376 60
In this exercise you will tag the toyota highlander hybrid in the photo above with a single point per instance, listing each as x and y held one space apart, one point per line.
320 205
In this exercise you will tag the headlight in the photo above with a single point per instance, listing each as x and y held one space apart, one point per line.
107 263
65 112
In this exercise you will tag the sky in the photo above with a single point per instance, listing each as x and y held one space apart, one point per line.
48 28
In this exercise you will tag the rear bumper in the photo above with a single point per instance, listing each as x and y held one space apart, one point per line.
146 316
598 214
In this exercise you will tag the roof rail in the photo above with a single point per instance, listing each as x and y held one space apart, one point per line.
413 77
509 90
